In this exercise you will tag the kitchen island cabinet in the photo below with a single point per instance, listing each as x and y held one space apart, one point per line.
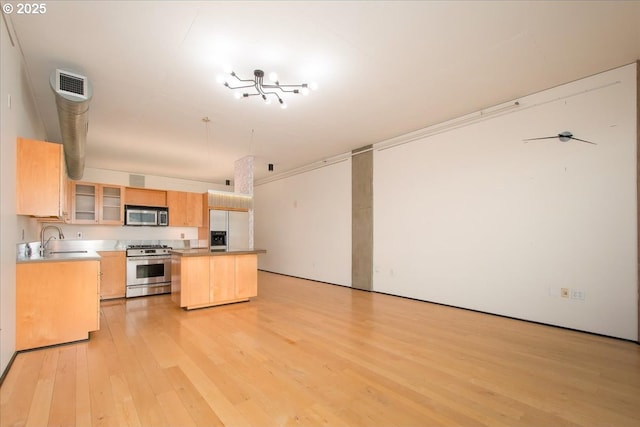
201 278
56 302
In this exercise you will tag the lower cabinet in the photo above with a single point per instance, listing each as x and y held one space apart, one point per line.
246 276
113 274
222 276
56 302
203 281
190 281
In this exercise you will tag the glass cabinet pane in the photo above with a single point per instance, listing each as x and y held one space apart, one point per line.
85 203
112 204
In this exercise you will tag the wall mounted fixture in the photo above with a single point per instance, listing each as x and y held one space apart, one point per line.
265 90
562 136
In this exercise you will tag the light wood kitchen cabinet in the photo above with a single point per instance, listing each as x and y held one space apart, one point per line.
246 276
56 302
93 203
41 179
222 278
203 281
190 281
185 209
145 197
111 204
203 230
113 274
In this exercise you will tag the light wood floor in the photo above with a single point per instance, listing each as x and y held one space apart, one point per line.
304 353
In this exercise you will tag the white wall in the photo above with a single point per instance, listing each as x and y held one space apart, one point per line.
19 119
476 218
105 176
304 223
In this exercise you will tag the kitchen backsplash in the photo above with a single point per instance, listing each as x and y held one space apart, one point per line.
101 245
29 233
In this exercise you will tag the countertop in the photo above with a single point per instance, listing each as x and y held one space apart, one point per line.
60 257
208 252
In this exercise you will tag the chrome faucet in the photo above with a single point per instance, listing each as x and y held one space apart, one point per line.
43 244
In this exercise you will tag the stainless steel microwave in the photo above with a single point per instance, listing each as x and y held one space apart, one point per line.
146 215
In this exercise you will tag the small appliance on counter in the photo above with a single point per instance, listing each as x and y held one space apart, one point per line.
148 270
146 215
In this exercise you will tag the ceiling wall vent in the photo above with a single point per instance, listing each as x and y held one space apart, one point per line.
73 93
71 83
136 180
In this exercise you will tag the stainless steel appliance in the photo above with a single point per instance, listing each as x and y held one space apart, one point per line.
146 215
148 270
238 233
228 229
218 226
218 240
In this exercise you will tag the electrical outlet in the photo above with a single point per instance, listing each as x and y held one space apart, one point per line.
182 235
564 292
578 294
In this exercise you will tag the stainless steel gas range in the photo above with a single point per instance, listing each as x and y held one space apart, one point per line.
148 270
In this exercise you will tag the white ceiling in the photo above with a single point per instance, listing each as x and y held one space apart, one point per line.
383 69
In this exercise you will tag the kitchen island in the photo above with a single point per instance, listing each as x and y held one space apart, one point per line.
204 278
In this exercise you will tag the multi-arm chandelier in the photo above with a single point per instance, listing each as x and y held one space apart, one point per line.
264 90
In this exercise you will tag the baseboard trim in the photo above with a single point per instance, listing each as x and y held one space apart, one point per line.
311 280
6 370
514 318
461 308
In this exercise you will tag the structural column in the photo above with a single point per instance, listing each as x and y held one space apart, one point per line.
362 218
243 184
638 181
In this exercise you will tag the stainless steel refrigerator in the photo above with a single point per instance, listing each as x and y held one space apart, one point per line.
235 224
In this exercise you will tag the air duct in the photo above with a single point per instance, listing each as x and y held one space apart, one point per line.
73 93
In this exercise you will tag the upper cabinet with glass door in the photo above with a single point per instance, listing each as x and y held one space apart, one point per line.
84 203
112 205
97 203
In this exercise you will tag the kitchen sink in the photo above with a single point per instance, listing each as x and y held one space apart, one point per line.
61 255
